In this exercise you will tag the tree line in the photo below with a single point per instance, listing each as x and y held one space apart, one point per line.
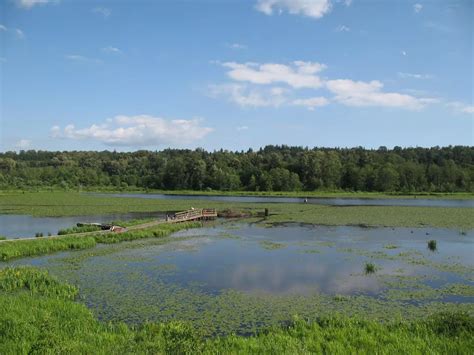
272 168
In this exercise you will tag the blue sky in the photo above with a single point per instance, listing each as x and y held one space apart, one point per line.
128 75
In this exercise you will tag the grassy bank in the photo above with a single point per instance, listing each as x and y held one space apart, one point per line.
22 248
38 315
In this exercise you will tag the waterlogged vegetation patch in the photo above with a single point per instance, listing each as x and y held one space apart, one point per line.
43 318
222 285
268 245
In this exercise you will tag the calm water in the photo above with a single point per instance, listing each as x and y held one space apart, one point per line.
24 226
421 202
198 274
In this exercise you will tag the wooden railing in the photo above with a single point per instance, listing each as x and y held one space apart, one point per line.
193 214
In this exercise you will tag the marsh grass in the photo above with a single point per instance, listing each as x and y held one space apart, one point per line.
432 245
76 229
369 268
73 204
38 315
266 244
32 247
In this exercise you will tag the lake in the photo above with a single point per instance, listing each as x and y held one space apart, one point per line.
237 277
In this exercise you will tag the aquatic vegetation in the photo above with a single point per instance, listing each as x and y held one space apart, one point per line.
432 245
369 268
266 244
45 321
73 204
38 235
390 246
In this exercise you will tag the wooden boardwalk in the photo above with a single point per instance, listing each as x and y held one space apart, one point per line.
197 214
193 215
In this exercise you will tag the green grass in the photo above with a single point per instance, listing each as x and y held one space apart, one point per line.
73 204
76 229
23 248
370 268
38 315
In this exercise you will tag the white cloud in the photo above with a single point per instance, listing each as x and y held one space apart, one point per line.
244 96
236 46
81 58
347 2
461 107
28 4
310 8
360 93
102 11
111 49
404 53
23 144
242 128
311 103
141 130
417 8
343 28
298 75
414 76
3 28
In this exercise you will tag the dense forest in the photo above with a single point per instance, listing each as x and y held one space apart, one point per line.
273 168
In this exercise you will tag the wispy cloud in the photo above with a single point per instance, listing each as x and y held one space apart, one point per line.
105 12
461 107
343 28
417 8
246 96
81 58
414 76
137 131
310 8
28 4
23 144
360 93
19 34
311 103
236 46
298 74
242 128
111 49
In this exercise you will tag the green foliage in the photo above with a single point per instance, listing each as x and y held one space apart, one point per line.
272 168
44 319
21 248
370 268
159 231
35 281
2 237
432 245
76 229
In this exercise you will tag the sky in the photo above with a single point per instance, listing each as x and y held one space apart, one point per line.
127 75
